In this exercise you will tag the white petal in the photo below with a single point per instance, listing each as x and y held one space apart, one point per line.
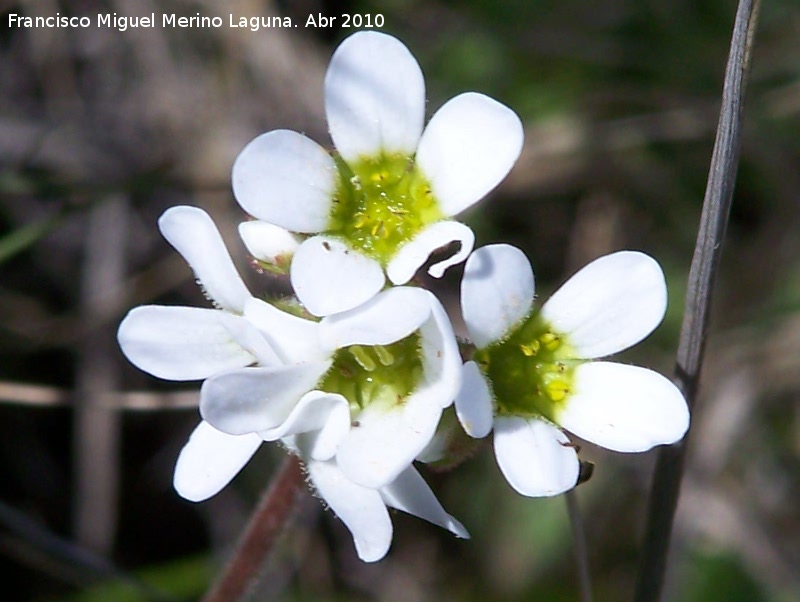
410 493
441 359
496 292
474 402
286 179
415 252
294 339
624 408
248 337
360 508
195 236
187 343
329 277
388 317
468 147
209 460
534 456
385 442
267 242
609 305
256 399
374 96
327 414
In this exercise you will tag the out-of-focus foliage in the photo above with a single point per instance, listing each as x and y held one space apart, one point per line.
619 101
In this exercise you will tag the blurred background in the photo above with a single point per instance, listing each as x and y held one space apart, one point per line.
102 130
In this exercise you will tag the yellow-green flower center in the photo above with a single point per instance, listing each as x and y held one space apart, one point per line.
380 204
378 374
531 371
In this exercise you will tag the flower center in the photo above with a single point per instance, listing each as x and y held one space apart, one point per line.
380 204
531 370
378 374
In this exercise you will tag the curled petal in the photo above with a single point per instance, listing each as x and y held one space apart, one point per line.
324 414
624 408
496 292
374 96
410 493
294 339
468 147
268 243
441 359
256 399
474 406
360 508
209 460
189 343
609 305
387 440
195 236
329 277
286 179
415 252
535 456
389 316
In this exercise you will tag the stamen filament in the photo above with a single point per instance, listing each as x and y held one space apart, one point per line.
385 357
362 357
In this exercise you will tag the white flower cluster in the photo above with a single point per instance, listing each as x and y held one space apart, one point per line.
353 376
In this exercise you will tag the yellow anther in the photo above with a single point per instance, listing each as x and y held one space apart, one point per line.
530 349
360 220
557 390
550 340
385 356
362 357
379 230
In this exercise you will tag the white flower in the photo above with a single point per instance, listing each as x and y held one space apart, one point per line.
532 373
370 384
192 343
356 396
364 509
383 201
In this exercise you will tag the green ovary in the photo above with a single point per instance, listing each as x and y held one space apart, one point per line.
378 374
380 204
531 371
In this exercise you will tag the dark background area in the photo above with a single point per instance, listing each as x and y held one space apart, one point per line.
102 130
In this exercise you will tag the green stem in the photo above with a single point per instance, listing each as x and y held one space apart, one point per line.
260 535
702 278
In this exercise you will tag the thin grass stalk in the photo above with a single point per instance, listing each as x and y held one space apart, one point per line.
97 427
665 487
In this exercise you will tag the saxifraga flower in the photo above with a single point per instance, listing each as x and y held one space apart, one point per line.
384 372
533 372
382 201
